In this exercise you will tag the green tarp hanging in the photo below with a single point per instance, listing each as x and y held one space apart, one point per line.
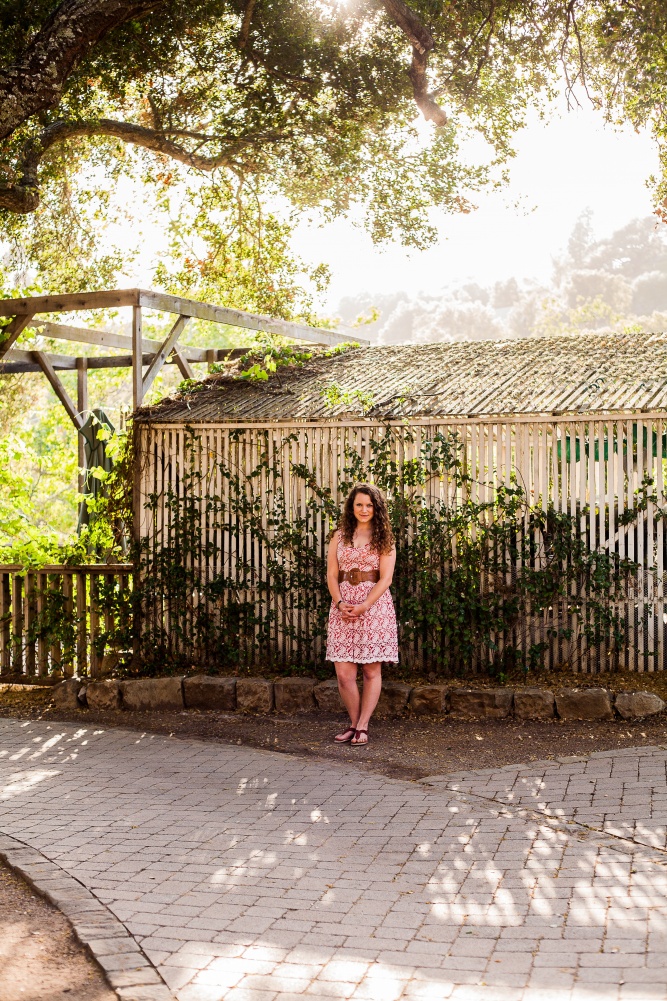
605 444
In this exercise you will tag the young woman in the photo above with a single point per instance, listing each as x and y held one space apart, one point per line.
362 622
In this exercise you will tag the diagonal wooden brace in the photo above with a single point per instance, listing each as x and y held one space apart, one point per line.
12 332
163 353
186 369
58 388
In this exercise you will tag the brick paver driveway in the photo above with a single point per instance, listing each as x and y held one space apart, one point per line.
246 875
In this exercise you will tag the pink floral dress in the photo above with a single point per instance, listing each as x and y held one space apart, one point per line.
372 636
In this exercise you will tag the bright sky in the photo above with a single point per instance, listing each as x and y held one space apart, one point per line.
562 168
572 163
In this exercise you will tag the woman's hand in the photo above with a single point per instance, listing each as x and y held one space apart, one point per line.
356 611
346 609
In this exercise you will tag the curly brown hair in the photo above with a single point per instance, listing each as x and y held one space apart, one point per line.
382 540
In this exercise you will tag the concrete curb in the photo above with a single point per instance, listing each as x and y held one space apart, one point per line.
127 970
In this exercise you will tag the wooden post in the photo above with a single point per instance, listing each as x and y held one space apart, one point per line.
67 656
17 624
81 624
31 615
5 622
94 623
137 359
82 407
42 649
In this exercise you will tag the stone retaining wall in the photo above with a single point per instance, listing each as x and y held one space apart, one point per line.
297 695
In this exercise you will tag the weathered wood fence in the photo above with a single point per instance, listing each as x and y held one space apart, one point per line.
52 619
592 468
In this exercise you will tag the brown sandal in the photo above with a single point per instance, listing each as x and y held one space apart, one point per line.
357 742
345 740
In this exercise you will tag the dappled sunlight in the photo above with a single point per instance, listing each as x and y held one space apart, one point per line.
241 871
22 782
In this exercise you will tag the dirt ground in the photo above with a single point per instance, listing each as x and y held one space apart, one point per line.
405 747
40 960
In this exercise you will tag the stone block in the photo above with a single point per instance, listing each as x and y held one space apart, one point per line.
103 694
534 703
328 697
428 699
205 692
294 695
393 698
254 695
481 703
584 703
635 705
152 694
66 694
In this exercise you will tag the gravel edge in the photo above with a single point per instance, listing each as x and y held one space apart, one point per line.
126 968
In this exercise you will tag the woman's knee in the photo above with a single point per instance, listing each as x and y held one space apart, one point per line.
346 675
372 671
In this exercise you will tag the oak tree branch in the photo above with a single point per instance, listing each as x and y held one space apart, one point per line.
23 197
422 43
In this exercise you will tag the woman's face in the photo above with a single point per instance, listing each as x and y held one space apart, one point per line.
363 509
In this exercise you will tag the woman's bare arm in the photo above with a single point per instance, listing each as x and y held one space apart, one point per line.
332 569
332 577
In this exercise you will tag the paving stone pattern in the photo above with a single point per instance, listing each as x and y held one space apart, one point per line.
246 875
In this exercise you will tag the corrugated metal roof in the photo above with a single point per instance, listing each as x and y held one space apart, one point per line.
580 373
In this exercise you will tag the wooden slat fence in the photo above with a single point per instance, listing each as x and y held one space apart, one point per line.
591 467
51 619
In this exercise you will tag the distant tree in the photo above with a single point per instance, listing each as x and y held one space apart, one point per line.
609 287
505 294
649 293
473 292
632 251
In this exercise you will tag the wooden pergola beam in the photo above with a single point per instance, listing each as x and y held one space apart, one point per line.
58 388
164 351
116 298
239 318
70 302
107 339
22 361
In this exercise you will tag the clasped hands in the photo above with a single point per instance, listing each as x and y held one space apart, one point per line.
350 612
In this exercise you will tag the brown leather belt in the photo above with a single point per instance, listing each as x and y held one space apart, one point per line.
356 576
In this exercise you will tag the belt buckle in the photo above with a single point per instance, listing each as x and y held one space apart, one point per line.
355 576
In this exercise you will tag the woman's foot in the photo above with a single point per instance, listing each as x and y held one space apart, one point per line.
360 737
346 736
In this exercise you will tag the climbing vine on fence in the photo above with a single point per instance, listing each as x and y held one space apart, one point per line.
472 576
234 577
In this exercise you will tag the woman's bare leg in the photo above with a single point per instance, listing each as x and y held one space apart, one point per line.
369 697
346 674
